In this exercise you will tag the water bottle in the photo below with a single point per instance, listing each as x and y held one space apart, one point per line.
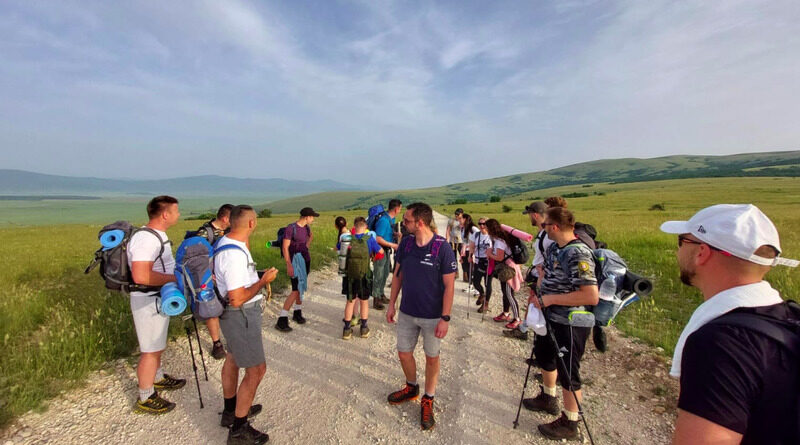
344 245
206 294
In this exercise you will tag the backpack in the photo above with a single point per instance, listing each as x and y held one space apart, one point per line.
282 235
519 251
206 231
436 245
784 332
374 214
193 276
588 234
112 257
357 265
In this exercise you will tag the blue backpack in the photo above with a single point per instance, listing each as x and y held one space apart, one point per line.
374 213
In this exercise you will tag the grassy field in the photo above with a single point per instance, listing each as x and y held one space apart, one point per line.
58 324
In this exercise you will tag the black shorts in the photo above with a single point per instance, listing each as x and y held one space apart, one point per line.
295 281
569 337
361 289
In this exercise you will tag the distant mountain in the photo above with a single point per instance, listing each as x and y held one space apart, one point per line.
19 182
784 163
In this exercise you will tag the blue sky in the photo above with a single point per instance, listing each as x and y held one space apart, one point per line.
395 94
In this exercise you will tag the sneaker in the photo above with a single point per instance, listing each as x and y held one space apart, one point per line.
513 324
377 304
364 332
347 333
246 435
227 417
515 333
169 383
560 429
355 321
542 402
297 316
502 317
409 392
218 351
283 324
426 419
154 405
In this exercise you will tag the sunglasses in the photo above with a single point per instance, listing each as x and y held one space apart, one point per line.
481 223
683 239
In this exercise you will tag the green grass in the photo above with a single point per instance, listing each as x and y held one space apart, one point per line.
57 324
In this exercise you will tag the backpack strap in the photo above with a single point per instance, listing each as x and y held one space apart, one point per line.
772 328
540 237
214 255
161 241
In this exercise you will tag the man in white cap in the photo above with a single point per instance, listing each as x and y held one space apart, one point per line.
738 359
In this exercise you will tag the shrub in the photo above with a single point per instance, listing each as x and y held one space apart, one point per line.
576 195
506 208
657 207
265 213
457 201
494 198
202 216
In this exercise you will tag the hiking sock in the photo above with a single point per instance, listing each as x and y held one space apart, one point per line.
297 307
144 394
230 404
346 323
571 416
159 375
414 383
550 391
284 313
363 322
238 422
430 396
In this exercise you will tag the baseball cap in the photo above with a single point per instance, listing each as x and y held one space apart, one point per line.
308 211
739 229
535 207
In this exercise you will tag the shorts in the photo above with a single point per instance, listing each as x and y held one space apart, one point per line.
296 281
151 325
361 289
572 338
409 329
241 328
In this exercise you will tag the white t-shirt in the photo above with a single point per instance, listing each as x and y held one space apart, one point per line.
482 244
500 244
144 246
234 269
538 257
455 230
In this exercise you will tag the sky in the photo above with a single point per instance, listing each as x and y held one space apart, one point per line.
391 94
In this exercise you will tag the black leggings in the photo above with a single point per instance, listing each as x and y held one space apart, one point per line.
509 300
479 274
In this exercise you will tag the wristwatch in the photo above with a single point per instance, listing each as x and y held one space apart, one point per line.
446 318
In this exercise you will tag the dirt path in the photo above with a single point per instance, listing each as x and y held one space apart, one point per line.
321 389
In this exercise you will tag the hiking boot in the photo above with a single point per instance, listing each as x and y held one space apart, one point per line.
484 308
364 332
347 333
502 317
218 351
283 324
169 383
409 392
542 402
384 299
426 419
227 417
154 405
246 435
377 304
599 338
559 429
297 316
355 321
515 333
480 300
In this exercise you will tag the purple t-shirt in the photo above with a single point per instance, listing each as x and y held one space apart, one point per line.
299 240
423 288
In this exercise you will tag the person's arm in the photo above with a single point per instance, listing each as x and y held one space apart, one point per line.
493 254
471 251
586 295
381 227
695 430
142 273
287 258
447 303
385 243
397 281
310 238
241 295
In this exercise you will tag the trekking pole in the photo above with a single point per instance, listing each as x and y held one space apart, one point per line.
524 386
194 364
469 287
200 348
486 292
564 366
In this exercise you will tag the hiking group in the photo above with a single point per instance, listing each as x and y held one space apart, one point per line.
738 358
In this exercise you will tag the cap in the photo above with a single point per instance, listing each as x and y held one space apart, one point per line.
739 229
308 211
535 207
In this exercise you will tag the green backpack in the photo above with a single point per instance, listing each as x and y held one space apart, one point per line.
357 265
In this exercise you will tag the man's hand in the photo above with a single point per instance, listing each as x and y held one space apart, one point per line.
536 301
390 313
532 298
269 276
441 329
290 270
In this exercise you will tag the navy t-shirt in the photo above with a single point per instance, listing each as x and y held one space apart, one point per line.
423 288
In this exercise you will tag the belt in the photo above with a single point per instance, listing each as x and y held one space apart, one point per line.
247 305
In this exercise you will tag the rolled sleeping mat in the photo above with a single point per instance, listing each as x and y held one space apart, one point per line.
172 300
524 236
111 238
637 284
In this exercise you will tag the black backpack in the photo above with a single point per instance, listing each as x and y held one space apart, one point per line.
588 234
206 231
519 251
112 257
785 332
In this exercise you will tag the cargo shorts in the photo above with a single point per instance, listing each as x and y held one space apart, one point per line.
409 329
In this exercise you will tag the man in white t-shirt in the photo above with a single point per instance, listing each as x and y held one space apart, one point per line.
152 265
238 283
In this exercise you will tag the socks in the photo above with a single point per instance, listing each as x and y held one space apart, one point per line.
230 404
238 422
430 396
550 391
346 323
414 383
144 394
159 375
363 322
571 416
297 307
284 313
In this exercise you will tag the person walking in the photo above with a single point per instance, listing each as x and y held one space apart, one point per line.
238 283
426 267
363 248
387 239
294 248
468 229
738 371
479 245
506 271
453 232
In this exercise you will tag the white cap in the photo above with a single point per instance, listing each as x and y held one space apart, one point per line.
739 229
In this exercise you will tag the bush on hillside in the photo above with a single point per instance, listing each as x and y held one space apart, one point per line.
494 198
507 208
658 207
265 213
202 216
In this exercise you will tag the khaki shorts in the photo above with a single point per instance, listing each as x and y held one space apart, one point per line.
151 325
408 330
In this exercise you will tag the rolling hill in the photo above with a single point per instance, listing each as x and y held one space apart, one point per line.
784 163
